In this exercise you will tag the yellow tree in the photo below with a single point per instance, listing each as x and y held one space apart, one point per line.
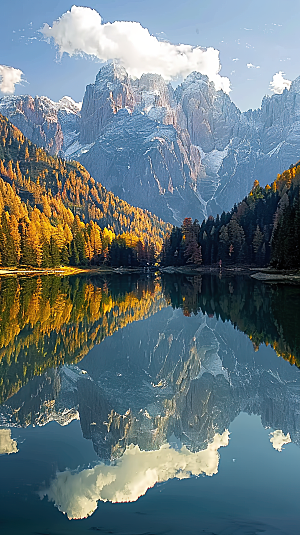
95 238
14 232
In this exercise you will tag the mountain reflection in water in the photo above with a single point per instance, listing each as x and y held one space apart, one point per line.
155 370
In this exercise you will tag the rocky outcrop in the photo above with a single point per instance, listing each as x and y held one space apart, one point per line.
131 141
145 161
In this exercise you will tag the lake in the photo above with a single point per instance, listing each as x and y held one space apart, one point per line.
149 405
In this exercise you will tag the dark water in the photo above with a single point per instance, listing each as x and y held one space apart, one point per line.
147 405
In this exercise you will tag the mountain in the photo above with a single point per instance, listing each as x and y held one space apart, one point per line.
178 153
129 137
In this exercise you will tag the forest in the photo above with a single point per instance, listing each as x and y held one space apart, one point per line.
262 229
52 212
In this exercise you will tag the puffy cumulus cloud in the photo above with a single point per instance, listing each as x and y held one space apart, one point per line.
81 31
279 84
9 77
251 66
77 494
278 439
7 444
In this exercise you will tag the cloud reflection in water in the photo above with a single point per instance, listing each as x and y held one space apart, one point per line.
77 494
279 439
7 444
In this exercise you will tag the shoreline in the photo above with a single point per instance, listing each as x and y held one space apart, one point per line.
40 271
66 271
267 274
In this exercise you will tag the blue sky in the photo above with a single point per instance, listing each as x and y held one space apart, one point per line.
262 33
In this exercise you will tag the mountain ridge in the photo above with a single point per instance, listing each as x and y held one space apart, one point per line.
206 155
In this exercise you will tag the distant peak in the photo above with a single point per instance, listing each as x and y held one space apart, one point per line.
12 98
69 103
295 85
196 78
111 70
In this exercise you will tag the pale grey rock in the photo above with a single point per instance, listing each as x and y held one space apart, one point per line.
145 163
131 142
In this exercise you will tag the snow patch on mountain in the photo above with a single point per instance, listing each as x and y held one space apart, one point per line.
213 160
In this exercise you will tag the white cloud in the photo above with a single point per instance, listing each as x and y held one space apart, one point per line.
278 439
77 494
81 31
9 77
7 444
279 83
251 66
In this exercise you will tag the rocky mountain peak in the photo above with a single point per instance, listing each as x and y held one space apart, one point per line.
36 118
110 75
103 99
69 105
295 85
184 152
208 115
42 120
155 97
193 81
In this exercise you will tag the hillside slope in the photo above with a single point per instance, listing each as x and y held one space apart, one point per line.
52 211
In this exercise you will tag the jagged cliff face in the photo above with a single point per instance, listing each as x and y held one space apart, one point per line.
169 378
110 93
188 152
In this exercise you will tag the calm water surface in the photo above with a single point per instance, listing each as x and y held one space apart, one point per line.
146 405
